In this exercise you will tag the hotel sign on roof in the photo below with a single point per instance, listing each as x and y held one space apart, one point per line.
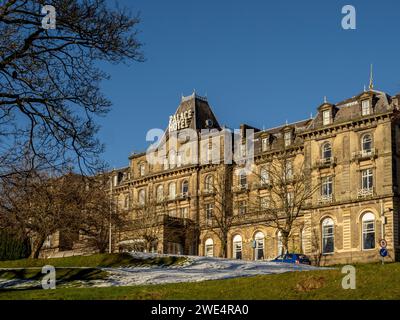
180 121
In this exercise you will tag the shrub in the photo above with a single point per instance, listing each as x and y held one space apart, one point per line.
13 247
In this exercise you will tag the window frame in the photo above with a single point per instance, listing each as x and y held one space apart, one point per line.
363 143
328 234
325 150
160 195
209 183
142 197
327 183
259 238
264 202
287 137
207 244
242 207
142 169
243 178
264 144
326 117
209 210
170 194
367 177
367 218
185 185
239 240
366 107
279 243
264 176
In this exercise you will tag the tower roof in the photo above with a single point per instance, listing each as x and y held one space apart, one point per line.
197 112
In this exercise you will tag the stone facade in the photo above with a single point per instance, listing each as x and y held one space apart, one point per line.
350 150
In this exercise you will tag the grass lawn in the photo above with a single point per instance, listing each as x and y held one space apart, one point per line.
78 267
95 260
374 281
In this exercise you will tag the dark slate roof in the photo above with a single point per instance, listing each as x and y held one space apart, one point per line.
275 135
350 109
201 111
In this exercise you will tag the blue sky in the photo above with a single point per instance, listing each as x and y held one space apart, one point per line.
259 62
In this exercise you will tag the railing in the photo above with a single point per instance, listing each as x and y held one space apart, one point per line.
171 197
183 195
324 162
326 198
208 192
367 192
240 188
262 185
363 154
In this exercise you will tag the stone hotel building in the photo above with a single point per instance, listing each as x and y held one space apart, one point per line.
350 150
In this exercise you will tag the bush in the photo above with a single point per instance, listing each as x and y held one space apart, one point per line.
12 247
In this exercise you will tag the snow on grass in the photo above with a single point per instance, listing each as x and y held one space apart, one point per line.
195 269
190 269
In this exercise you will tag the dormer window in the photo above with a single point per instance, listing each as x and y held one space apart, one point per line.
288 138
142 169
326 117
264 144
365 108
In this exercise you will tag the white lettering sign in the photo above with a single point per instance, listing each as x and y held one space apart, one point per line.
180 120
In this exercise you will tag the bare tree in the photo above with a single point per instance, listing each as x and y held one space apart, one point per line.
145 228
316 250
219 218
70 204
38 207
49 80
96 212
289 189
152 222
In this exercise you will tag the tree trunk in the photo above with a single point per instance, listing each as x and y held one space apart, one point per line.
37 246
224 245
285 244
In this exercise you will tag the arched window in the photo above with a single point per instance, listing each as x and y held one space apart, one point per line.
142 169
209 248
142 197
328 237
209 183
366 143
172 190
288 170
160 193
185 187
172 159
280 243
368 231
126 202
259 246
264 176
237 247
326 151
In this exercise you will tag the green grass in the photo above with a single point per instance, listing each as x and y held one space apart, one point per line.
62 275
374 281
95 260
